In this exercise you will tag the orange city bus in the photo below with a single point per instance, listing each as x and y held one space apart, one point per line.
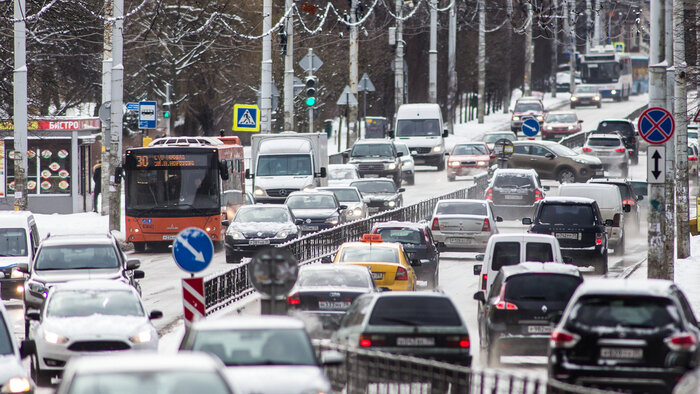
180 182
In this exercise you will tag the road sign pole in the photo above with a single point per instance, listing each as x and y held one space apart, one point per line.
193 300
310 72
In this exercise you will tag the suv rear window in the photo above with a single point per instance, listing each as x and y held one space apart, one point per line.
414 310
513 181
627 311
541 287
567 214
538 251
603 142
505 253
623 127
402 235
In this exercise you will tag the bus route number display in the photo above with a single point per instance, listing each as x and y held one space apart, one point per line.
168 160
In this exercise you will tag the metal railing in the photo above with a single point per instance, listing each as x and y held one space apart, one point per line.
233 284
366 371
575 140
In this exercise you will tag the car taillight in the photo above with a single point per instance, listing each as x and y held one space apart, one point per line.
683 341
486 226
620 150
502 304
489 194
616 220
587 149
436 224
538 195
458 341
372 340
484 278
563 339
692 158
599 238
629 202
401 274
293 299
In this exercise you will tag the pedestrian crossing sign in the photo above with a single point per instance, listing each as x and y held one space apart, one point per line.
246 118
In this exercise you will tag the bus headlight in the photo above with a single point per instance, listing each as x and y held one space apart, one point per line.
259 191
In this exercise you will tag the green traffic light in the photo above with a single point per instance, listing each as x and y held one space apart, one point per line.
166 114
310 101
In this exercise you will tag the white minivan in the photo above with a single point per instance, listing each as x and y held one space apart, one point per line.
420 127
611 208
19 240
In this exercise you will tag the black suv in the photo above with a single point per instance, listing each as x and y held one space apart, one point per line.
377 158
515 192
625 128
579 228
418 243
636 335
380 194
519 307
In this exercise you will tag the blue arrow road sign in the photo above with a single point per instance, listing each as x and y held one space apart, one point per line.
530 127
132 106
147 115
656 125
193 250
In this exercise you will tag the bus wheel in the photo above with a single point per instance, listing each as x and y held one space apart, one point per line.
139 247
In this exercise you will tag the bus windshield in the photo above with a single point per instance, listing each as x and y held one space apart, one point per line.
606 72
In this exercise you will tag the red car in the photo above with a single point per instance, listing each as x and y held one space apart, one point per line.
560 124
466 159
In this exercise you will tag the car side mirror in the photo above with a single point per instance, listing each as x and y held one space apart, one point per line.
550 156
331 357
580 121
445 133
326 260
401 189
567 259
640 197
225 223
132 264
527 221
499 219
248 174
27 348
138 274
33 315
23 267
546 188
608 222
627 208
399 154
341 207
477 269
155 314
322 173
383 289
479 296
480 257
345 155
298 222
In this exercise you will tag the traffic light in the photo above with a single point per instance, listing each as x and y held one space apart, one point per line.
166 110
311 90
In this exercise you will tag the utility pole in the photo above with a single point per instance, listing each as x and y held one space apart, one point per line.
106 97
289 69
669 184
310 73
481 105
115 146
432 55
398 61
681 133
596 26
555 49
452 68
353 109
508 48
572 43
668 51
657 259
266 71
20 106
588 24
528 51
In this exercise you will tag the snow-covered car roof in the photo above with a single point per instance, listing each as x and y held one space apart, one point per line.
249 323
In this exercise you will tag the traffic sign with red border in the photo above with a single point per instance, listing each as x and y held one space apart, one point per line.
656 125
697 116
193 299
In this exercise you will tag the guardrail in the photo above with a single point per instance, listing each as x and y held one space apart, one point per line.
233 284
372 371
574 140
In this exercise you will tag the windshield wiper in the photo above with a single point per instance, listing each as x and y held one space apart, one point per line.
401 321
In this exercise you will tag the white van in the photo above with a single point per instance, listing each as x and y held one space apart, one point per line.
610 204
19 240
420 127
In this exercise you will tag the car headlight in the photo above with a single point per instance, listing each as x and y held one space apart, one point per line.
596 98
579 161
574 98
481 163
516 117
17 385
390 204
54 338
570 127
282 234
540 118
391 166
437 148
332 220
453 164
613 91
259 191
357 211
16 273
142 337
236 234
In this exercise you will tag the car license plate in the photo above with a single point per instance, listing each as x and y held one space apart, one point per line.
460 241
566 235
539 329
377 275
621 353
415 341
169 237
333 304
309 228
259 242
373 209
513 197
371 176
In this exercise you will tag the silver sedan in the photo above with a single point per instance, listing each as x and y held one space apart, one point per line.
464 224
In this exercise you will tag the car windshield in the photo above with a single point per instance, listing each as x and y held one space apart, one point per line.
470 149
346 195
414 311
625 311
262 215
256 346
375 187
491 138
561 118
271 165
372 150
150 382
513 181
337 277
5 339
13 242
418 127
460 208
604 142
402 235
541 287
586 89
339 174
66 257
308 201
561 150
367 254
87 303
567 214
528 107
611 127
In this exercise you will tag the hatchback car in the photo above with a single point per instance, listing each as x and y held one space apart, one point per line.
585 95
318 210
636 335
515 192
560 124
468 159
418 243
19 241
490 138
517 309
526 109
610 149
627 130
379 194
464 224
13 375
377 158
352 199
423 324
342 174
258 226
555 161
408 165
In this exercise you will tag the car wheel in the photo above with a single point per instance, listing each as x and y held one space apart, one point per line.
635 159
492 355
450 178
599 105
412 180
572 106
41 378
397 181
625 172
441 165
566 175
620 248
601 265
139 247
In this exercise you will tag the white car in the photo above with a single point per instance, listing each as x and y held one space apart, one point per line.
352 199
84 317
342 174
408 165
13 375
464 224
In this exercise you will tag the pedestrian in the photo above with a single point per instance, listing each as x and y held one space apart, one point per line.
97 178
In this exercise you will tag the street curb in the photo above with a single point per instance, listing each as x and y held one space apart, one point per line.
632 269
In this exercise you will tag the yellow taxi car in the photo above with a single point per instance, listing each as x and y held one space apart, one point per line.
387 261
